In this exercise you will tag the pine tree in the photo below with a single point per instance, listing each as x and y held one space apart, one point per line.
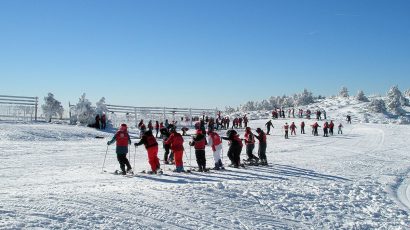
377 106
395 100
344 92
52 107
361 97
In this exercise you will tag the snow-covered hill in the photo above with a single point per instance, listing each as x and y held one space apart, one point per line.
51 178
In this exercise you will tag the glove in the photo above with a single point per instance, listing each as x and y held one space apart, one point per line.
135 144
108 143
190 142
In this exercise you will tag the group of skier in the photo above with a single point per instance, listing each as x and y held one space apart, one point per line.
174 149
327 128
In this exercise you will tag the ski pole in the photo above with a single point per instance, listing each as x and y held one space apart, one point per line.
102 169
135 153
190 167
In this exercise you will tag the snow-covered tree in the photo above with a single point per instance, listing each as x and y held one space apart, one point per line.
407 93
101 106
229 110
84 112
395 100
248 106
344 92
305 98
52 107
377 106
361 97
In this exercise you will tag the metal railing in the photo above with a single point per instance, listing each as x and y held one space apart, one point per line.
18 108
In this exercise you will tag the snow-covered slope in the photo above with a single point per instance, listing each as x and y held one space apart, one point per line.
51 177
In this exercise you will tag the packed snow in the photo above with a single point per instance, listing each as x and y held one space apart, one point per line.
52 177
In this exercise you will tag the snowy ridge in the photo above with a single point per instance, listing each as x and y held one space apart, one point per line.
51 178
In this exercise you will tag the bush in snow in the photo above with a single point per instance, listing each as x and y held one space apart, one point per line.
229 110
395 101
361 97
404 120
84 112
344 92
52 107
377 106
101 106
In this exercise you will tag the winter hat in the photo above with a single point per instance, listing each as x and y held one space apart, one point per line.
258 130
248 129
123 127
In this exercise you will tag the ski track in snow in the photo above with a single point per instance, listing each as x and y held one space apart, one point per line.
353 181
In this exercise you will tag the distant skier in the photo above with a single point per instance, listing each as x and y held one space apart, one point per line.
156 128
151 146
331 126
123 140
293 129
140 124
339 131
349 119
199 142
262 146
268 125
286 128
235 147
245 121
165 135
97 121
250 145
214 140
176 141
150 127
315 126
325 129
103 121
302 127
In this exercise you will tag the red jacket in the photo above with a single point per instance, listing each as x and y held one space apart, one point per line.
216 140
122 138
249 138
176 141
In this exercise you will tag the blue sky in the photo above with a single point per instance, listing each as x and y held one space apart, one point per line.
209 53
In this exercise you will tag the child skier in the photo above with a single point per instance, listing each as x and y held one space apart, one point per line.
268 125
302 127
214 140
165 135
151 145
331 126
262 146
123 140
286 128
339 131
199 142
325 129
176 141
250 145
235 147
293 129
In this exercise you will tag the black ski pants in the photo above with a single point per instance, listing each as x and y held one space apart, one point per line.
122 159
200 158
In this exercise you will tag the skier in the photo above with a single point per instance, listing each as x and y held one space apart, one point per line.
262 146
293 129
250 145
325 129
214 140
302 127
235 147
268 125
349 119
339 131
151 145
103 121
97 121
123 140
156 128
286 128
150 127
184 130
331 126
315 126
165 135
140 124
245 121
176 141
199 142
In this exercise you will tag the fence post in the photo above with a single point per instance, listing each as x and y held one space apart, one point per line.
36 108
